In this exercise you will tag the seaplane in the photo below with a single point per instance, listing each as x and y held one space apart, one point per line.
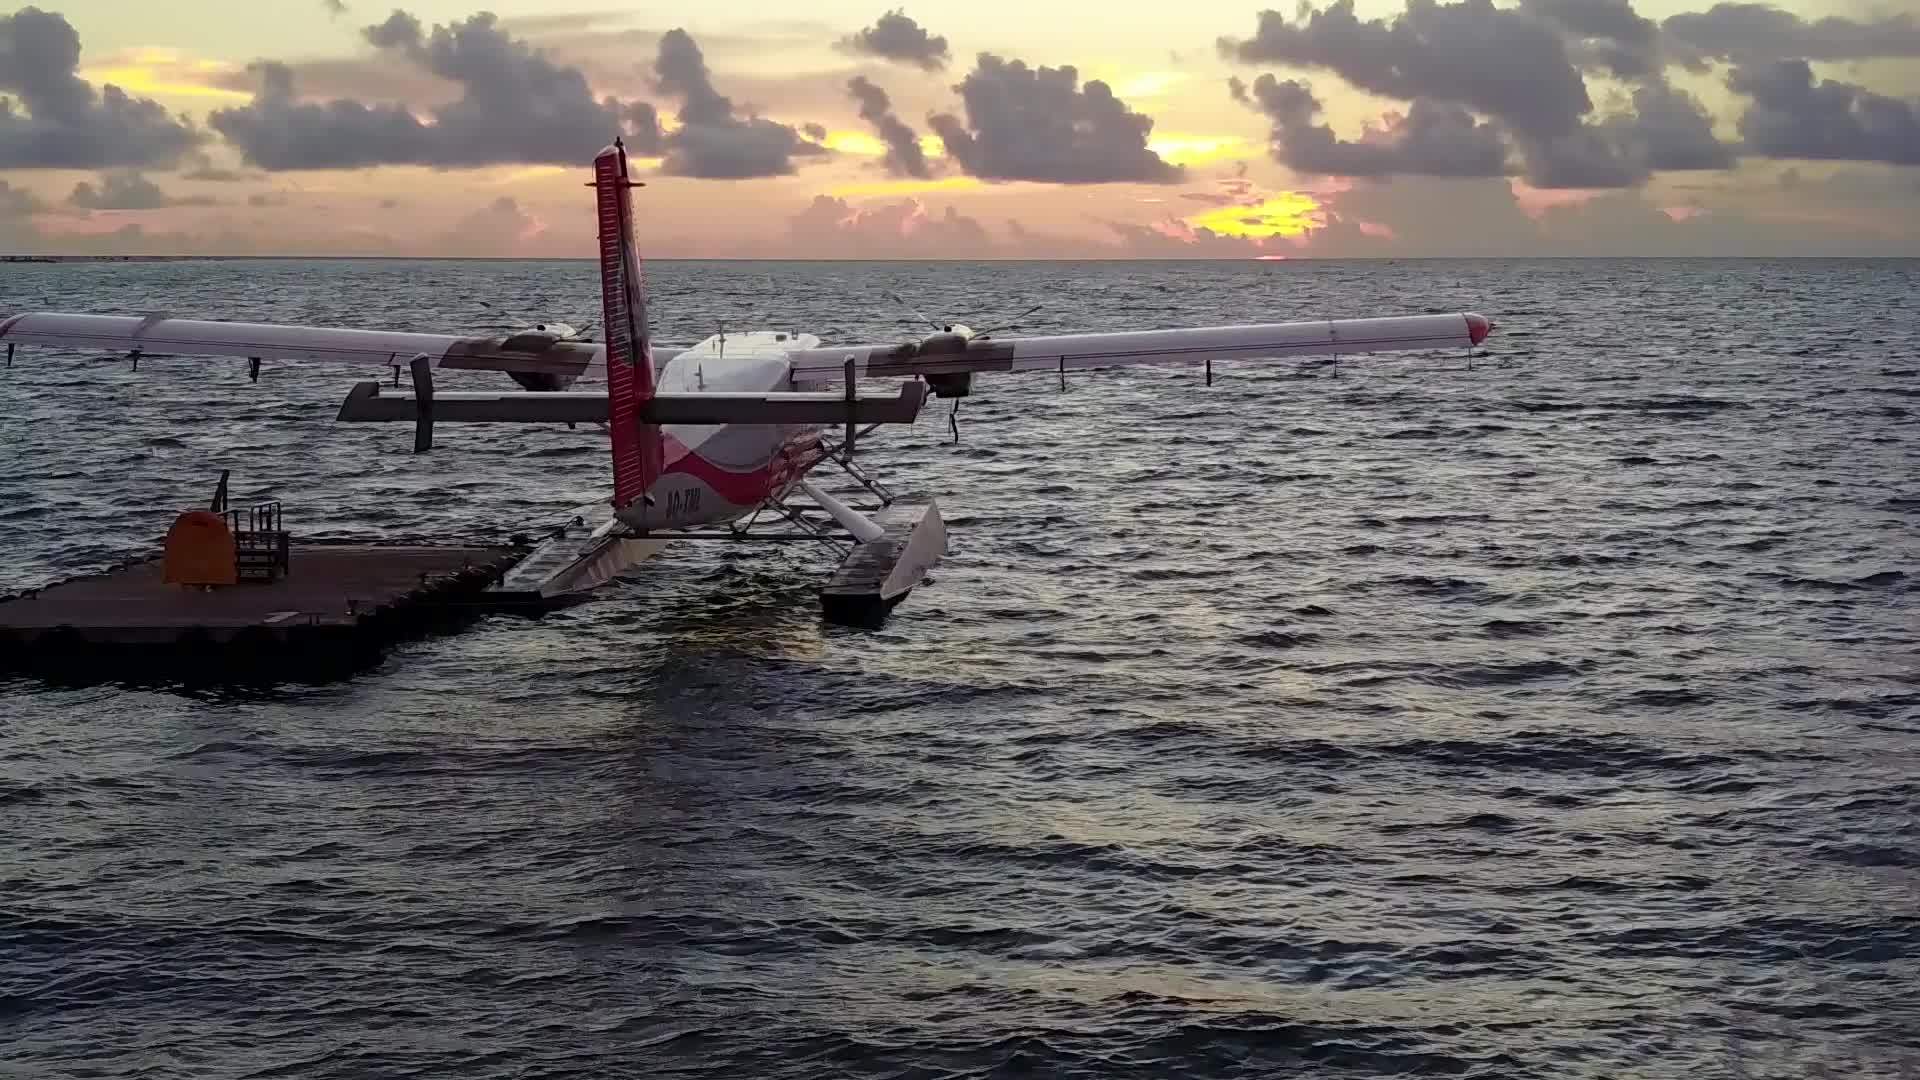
713 441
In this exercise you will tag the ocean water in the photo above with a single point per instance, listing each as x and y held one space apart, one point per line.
1552 712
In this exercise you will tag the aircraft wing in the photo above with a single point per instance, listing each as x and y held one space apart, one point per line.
945 354
161 335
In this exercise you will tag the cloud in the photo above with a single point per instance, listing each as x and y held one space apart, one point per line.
127 190
202 168
1037 124
833 228
1501 62
896 37
1755 32
904 155
17 203
1669 130
1792 117
1432 139
335 8
712 142
57 121
1512 65
1664 129
500 227
1607 34
516 106
372 77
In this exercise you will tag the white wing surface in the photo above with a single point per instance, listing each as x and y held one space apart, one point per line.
159 335
1337 337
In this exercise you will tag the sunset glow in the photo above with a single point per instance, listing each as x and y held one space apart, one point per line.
1287 214
329 125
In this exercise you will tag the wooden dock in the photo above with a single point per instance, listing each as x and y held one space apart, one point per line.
335 599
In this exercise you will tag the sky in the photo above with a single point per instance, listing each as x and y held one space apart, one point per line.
976 129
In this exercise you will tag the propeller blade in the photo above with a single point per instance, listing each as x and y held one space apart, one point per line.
1014 325
895 297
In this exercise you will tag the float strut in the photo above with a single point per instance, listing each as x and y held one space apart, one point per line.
850 401
422 403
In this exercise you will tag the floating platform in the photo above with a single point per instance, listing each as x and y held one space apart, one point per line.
337 601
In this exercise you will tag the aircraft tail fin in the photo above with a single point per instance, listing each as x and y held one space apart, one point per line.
623 306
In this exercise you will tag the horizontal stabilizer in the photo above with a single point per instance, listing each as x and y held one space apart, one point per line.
367 404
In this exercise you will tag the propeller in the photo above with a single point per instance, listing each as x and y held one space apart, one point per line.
947 328
564 331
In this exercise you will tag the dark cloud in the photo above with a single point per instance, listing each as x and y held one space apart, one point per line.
1669 130
1587 157
1664 130
1037 124
52 119
276 131
896 37
1433 139
1793 117
1607 34
1511 65
816 132
1503 63
712 142
335 8
904 156
358 78
1757 32
515 106
127 190
119 191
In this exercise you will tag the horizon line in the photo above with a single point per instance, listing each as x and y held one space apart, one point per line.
28 257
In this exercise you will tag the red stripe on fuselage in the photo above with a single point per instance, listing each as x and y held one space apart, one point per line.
795 457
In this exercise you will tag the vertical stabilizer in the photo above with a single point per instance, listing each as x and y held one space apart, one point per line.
623 307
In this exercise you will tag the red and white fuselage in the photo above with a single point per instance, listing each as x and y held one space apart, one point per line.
713 474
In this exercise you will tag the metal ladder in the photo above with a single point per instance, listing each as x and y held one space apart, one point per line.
261 544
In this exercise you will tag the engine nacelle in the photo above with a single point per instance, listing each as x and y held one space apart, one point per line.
951 341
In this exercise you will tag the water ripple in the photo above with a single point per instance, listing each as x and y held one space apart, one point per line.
1556 717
